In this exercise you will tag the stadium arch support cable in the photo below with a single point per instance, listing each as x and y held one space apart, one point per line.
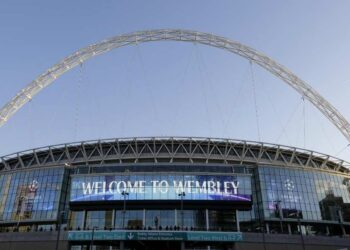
82 55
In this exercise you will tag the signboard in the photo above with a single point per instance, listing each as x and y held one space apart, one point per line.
155 235
157 187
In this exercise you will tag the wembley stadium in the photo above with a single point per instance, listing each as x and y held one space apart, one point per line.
174 192
163 192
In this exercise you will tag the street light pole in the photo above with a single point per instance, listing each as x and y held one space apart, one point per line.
59 228
278 207
182 195
92 237
297 214
341 220
19 220
301 233
260 216
19 216
61 213
124 193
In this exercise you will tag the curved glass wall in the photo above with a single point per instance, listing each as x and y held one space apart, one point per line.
261 197
31 195
309 195
151 219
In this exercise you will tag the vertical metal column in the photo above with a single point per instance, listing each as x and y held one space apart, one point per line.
176 217
124 193
207 219
182 195
113 219
261 220
84 220
144 218
207 223
267 228
237 221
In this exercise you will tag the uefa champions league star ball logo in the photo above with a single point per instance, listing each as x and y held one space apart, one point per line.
34 186
289 185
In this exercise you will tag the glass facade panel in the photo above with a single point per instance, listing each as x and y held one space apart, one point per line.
311 195
268 195
99 219
31 195
76 220
160 219
132 219
192 219
222 220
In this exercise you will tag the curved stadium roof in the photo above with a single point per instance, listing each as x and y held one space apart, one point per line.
170 150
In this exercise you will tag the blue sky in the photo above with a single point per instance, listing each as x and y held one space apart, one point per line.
174 89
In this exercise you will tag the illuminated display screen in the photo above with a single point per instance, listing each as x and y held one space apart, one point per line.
161 187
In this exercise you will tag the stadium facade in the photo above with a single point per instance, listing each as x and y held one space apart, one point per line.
173 193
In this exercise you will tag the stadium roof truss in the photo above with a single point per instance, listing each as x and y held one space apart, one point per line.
171 150
77 58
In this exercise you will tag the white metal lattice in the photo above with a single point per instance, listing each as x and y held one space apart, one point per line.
163 150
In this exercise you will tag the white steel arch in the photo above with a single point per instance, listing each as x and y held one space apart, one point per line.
45 79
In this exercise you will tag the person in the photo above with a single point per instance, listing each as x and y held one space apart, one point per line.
156 220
